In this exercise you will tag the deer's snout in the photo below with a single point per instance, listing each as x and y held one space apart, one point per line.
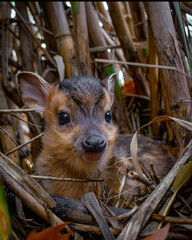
94 144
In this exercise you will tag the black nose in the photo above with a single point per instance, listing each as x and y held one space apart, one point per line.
94 143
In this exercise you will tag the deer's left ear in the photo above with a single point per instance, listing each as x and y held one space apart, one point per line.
110 85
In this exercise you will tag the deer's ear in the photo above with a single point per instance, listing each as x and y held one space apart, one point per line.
34 90
110 85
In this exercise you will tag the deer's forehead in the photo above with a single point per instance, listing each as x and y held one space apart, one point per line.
61 100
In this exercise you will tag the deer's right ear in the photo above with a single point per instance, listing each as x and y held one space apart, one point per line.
34 90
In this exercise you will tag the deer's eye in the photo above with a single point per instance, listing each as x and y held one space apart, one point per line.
108 116
63 118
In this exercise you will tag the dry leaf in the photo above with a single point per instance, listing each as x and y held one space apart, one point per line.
50 234
129 87
161 234
163 118
60 66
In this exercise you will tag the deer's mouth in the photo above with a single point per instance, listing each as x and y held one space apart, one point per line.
93 156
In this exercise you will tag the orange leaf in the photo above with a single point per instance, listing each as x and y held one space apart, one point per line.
161 234
129 87
50 234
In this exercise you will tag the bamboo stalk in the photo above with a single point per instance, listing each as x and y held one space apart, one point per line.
177 99
94 30
63 36
106 17
36 39
154 81
81 39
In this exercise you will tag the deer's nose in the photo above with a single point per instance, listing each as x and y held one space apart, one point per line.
94 143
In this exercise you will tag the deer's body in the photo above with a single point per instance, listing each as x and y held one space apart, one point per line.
80 140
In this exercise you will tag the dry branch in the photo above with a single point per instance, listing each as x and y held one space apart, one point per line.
143 65
25 181
75 211
161 218
90 228
66 179
16 110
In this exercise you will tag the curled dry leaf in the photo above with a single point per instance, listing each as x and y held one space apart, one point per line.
163 118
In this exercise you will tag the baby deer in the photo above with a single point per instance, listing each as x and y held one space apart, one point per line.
80 140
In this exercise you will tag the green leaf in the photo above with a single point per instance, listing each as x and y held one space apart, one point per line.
184 173
110 70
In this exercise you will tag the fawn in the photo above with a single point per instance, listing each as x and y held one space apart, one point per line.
80 140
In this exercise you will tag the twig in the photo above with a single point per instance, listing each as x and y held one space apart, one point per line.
16 110
91 228
140 178
33 124
6 133
171 219
137 96
156 178
104 48
24 144
141 65
124 215
66 179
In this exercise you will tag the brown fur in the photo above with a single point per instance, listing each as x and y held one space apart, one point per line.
62 154
59 157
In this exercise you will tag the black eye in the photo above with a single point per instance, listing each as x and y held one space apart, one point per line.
63 118
108 116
